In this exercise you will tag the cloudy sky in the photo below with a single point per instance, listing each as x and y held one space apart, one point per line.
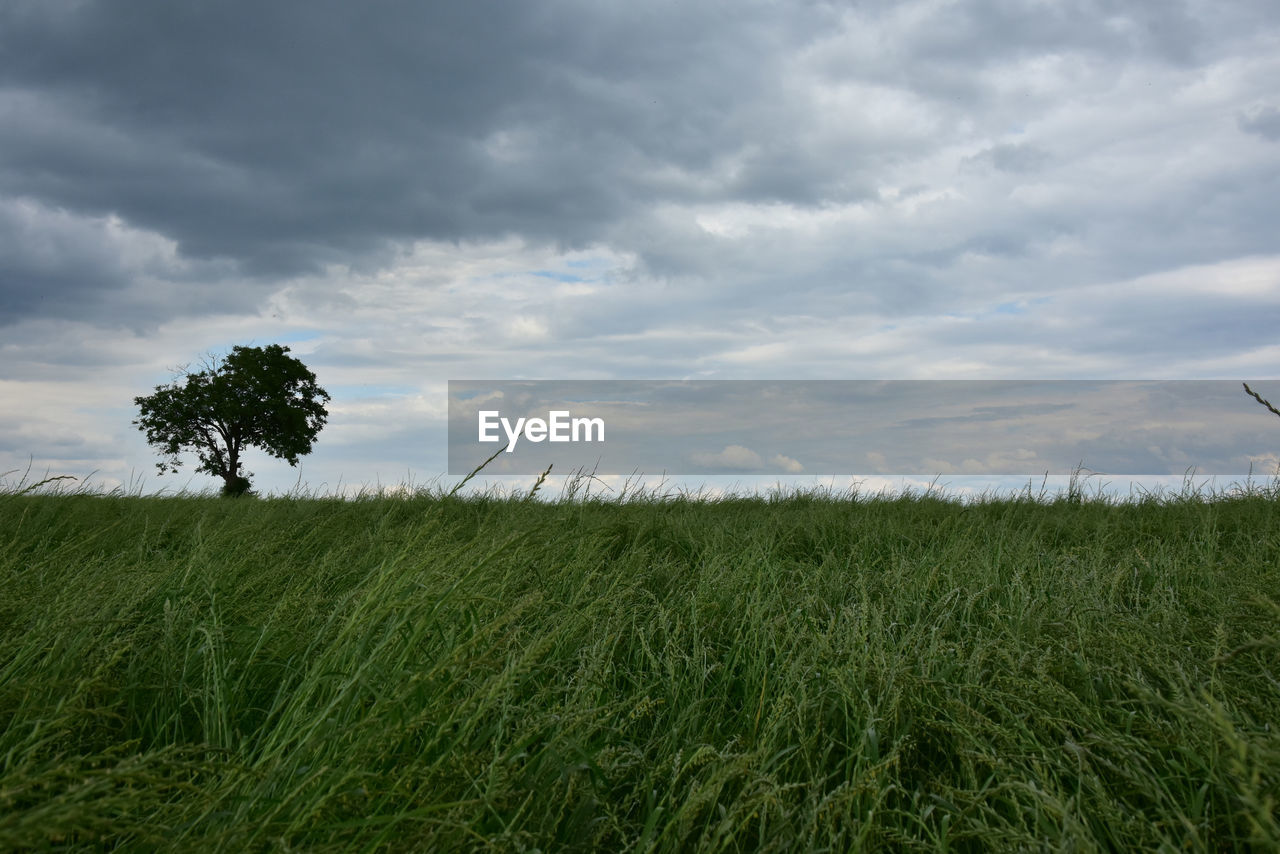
407 193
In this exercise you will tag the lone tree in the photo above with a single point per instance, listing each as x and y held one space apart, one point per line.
255 397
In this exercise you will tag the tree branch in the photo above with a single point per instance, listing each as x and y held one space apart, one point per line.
214 449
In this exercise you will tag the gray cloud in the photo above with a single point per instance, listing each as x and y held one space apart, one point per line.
290 138
285 137
1263 121
1009 157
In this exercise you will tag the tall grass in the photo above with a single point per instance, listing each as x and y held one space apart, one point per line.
805 672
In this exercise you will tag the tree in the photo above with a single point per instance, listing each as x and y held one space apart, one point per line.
256 397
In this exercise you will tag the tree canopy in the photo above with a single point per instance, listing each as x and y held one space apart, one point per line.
256 397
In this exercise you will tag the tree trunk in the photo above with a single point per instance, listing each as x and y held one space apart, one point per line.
233 485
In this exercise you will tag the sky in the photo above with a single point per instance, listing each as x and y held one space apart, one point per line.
407 193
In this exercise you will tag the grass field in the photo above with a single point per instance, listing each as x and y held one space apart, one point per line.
812 672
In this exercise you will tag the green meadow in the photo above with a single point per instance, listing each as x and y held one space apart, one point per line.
803 672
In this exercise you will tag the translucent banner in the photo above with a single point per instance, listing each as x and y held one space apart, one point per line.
862 427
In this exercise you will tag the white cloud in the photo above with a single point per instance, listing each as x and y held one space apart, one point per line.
787 464
732 457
